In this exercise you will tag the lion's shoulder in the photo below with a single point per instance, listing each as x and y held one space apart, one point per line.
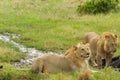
70 51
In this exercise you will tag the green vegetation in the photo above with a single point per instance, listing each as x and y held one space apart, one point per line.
98 6
49 25
8 45
9 55
12 73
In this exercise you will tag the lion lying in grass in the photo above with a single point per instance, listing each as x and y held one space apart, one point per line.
77 59
101 46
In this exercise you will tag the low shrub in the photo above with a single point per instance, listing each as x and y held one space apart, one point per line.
97 6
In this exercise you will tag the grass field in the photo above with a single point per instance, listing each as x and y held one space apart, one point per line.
51 25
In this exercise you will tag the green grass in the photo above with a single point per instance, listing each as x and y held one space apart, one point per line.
10 53
50 25
8 45
12 73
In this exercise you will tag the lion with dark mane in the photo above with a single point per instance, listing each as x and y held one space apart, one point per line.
101 46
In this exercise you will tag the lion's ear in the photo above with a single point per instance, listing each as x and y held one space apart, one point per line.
107 36
75 47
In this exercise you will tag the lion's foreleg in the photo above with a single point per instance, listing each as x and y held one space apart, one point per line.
92 59
85 73
108 60
84 76
99 61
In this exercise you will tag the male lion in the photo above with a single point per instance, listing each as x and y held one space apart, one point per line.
101 46
77 59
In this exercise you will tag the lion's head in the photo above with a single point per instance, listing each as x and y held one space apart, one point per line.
110 42
83 50
80 51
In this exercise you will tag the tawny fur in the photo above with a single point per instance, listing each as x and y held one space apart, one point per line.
101 46
76 60
83 62
84 76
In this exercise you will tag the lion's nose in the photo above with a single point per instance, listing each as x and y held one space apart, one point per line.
88 53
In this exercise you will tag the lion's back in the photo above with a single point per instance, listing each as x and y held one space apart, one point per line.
88 36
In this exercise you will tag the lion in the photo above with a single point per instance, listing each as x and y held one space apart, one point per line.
88 36
101 46
76 60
